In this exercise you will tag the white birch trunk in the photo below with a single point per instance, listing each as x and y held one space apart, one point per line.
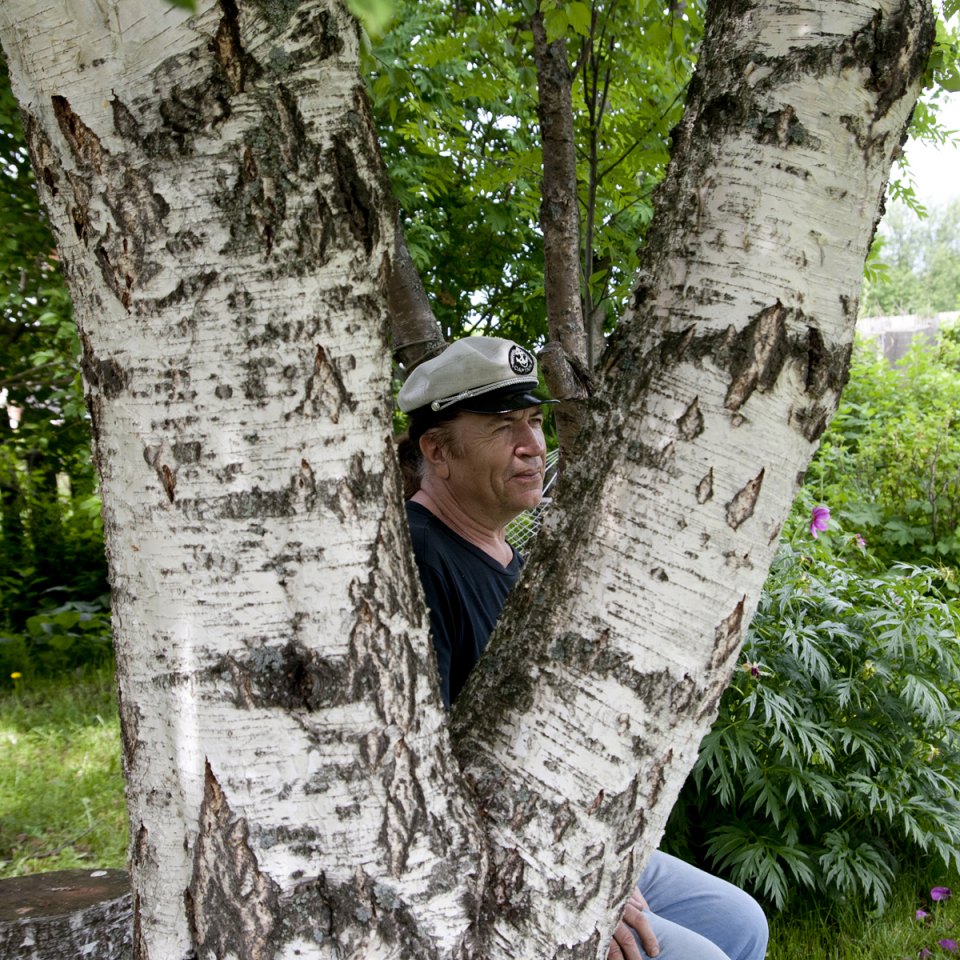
618 643
222 218
224 225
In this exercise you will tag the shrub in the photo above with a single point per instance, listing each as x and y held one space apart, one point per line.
889 464
836 754
72 635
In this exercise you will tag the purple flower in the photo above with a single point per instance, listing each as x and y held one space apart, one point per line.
752 668
921 915
940 893
820 517
949 945
861 543
924 953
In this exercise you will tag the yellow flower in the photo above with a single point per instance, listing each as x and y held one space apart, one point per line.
16 675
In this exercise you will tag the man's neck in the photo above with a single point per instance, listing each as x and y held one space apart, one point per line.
487 536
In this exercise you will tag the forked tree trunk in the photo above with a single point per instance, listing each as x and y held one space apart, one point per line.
222 217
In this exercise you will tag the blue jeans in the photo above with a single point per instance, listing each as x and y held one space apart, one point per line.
697 916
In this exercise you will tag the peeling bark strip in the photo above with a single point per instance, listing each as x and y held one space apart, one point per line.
741 507
727 636
757 356
231 905
83 142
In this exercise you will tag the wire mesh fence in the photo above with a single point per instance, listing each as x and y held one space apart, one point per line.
521 530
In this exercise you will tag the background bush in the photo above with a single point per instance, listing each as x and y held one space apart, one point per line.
835 758
889 465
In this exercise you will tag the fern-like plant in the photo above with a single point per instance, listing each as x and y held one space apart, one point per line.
836 755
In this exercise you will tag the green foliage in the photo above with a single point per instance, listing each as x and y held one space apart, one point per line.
61 783
914 265
455 98
50 532
836 754
59 639
889 464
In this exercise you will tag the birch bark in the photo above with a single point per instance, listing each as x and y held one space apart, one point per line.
610 660
223 220
224 224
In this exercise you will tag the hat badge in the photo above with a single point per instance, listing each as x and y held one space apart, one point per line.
521 362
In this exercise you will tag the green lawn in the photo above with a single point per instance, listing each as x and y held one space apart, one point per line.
61 806
61 783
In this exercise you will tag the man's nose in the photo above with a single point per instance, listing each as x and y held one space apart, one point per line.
530 441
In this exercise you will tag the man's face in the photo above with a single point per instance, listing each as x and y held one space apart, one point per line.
496 467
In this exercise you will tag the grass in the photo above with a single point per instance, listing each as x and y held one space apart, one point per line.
61 783
849 933
61 806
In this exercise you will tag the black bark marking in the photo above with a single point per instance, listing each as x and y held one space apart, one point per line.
563 818
169 480
292 677
124 122
758 355
129 731
690 425
83 142
506 889
881 45
187 451
326 393
726 638
356 204
784 129
105 377
227 47
811 421
230 904
705 487
741 507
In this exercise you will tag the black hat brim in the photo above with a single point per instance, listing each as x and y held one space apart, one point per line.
503 401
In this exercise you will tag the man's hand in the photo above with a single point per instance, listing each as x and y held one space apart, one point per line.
623 946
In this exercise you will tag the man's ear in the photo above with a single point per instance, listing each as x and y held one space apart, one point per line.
434 455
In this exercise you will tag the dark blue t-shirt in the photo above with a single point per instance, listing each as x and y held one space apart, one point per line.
465 590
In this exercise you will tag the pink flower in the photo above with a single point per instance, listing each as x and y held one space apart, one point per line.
921 915
820 517
949 945
940 893
924 953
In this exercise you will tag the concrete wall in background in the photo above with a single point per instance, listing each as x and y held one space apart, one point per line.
893 334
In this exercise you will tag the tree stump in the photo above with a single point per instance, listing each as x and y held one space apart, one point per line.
67 914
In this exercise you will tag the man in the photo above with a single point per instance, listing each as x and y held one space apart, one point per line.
476 453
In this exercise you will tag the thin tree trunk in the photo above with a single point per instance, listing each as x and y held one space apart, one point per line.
566 370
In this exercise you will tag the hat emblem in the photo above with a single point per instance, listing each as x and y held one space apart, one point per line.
521 362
